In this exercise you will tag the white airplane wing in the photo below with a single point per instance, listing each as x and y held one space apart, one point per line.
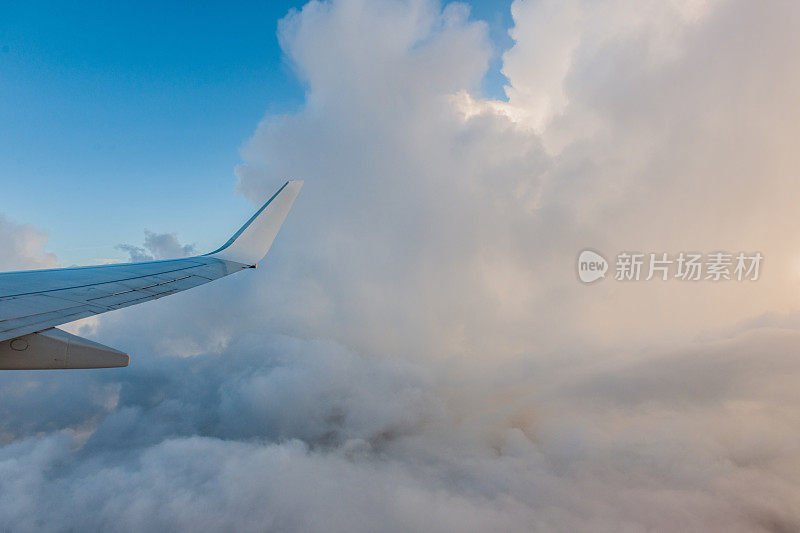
33 302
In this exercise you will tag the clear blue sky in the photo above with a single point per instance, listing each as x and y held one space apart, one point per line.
117 116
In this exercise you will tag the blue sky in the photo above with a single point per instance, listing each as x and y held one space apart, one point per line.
121 117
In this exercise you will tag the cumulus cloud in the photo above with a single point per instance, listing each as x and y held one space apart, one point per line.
158 246
297 435
444 191
23 247
416 353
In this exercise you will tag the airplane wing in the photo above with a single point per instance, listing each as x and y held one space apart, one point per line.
33 302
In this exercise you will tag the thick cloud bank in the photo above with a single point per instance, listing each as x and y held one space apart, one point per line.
417 353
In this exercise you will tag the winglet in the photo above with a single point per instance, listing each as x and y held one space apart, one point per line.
251 243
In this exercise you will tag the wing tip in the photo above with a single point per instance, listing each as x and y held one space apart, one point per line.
251 243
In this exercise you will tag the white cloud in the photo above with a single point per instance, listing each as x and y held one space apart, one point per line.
158 246
416 353
23 247
461 233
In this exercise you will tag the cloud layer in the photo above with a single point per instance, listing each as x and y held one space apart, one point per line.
417 354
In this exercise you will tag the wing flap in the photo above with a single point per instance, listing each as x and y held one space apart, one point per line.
22 326
34 304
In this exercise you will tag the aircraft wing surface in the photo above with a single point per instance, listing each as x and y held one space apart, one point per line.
34 301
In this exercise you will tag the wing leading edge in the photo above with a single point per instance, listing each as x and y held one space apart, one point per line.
35 301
